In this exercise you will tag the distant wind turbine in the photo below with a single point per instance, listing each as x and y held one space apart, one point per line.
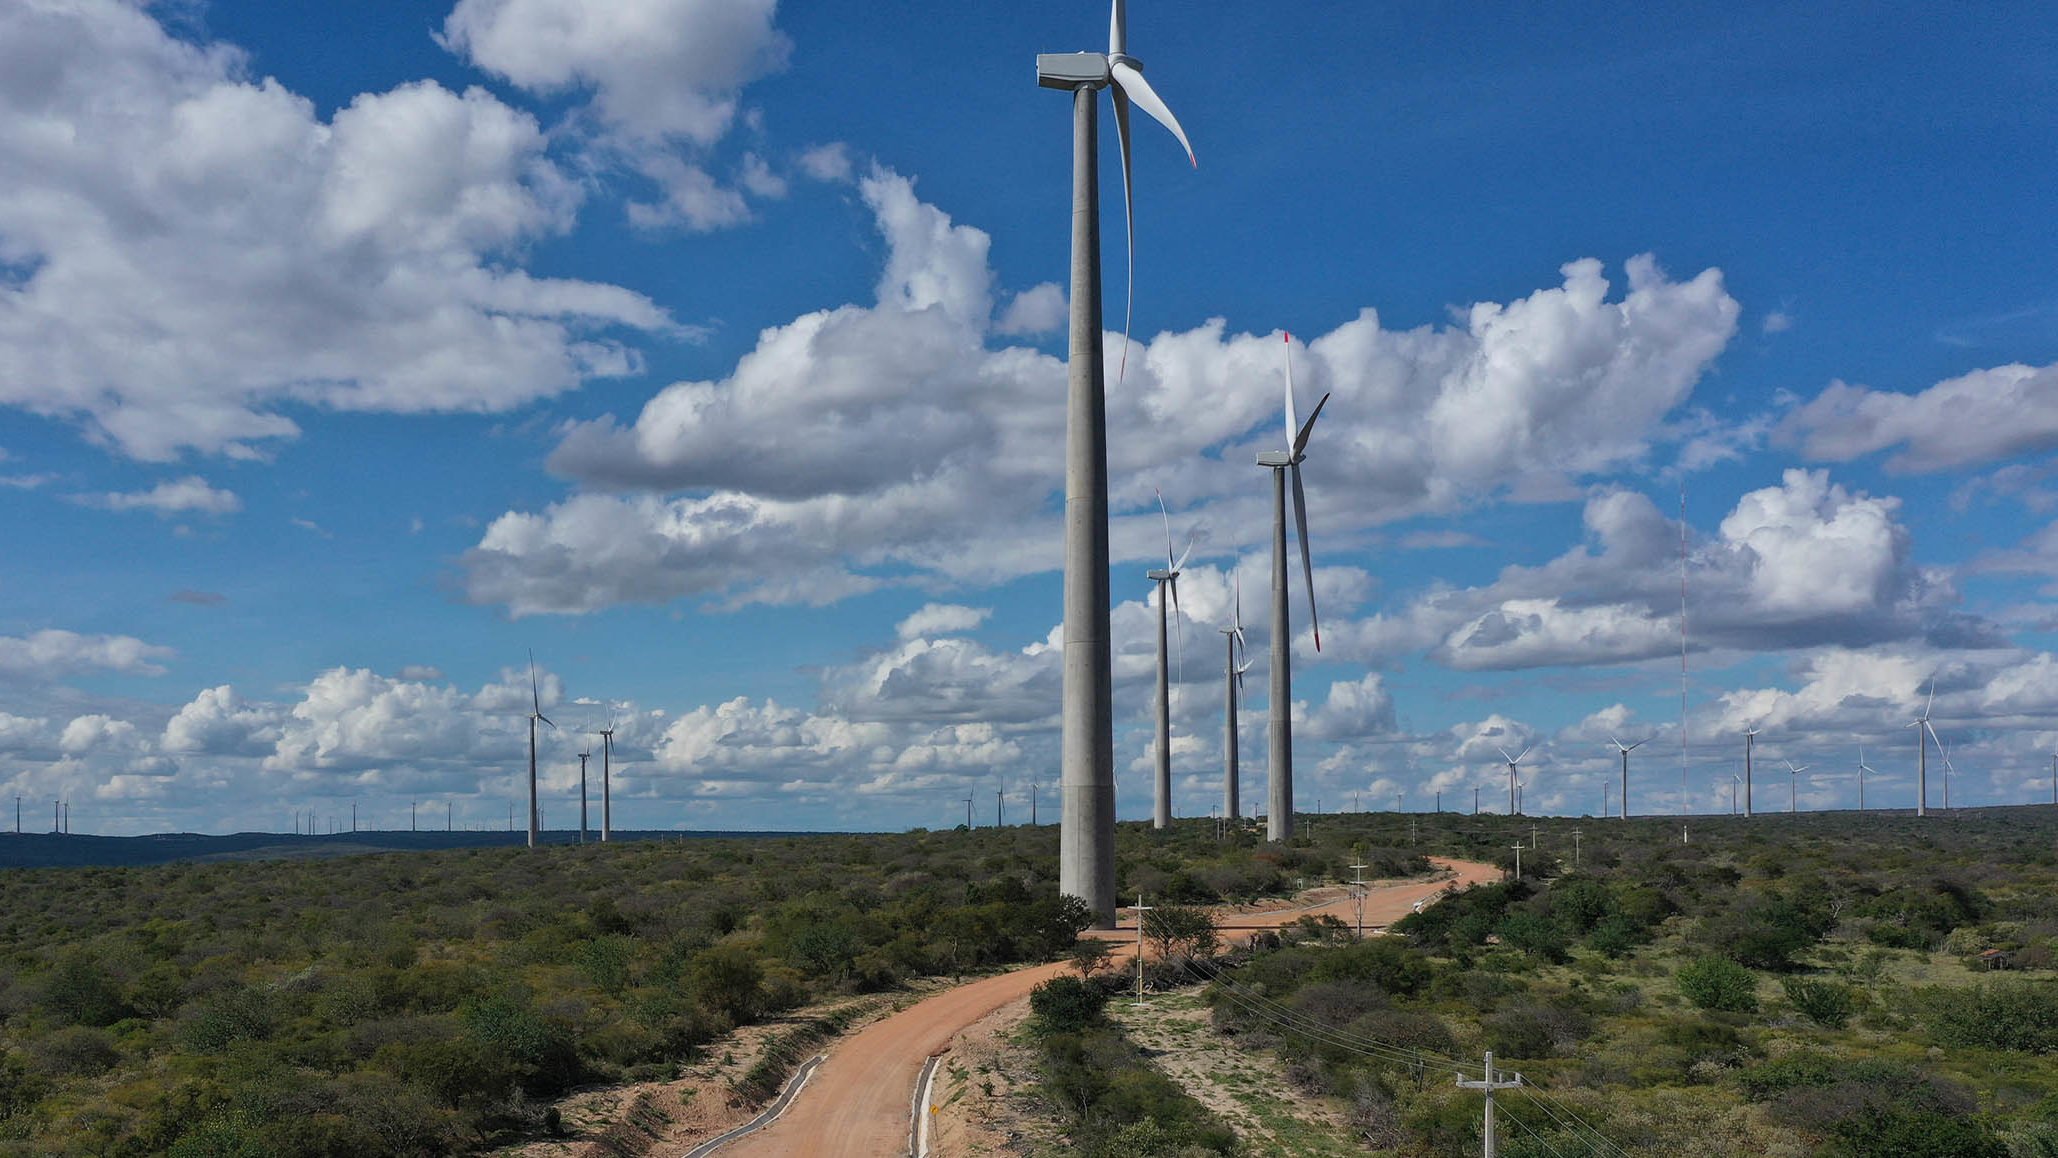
1625 768
535 714
1793 791
1862 770
1750 738
1168 584
583 757
1279 822
1514 801
1922 725
607 751
1233 695
1086 839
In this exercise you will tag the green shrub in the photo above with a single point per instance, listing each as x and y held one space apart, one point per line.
1067 1005
1825 1003
2020 1015
1718 983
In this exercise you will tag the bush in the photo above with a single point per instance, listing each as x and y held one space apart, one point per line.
2018 1016
1067 1005
1718 983
1825 1003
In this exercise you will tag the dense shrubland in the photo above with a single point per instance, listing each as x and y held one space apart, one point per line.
1791 986
434 1002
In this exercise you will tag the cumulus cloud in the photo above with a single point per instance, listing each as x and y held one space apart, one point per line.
1971 419
187 495
942 619
206 252
664 78
910 442
51 653
1802 564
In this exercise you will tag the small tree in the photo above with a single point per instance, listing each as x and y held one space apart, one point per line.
1090 955
1714 982
1180 933
1067 1005
1825 1003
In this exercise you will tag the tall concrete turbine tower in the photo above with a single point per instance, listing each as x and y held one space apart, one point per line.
607 751
1750 738
1279 809
1921 725
1086 840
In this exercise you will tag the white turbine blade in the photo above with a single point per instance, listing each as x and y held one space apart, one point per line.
1504 753
535 696
1300 441
1129 79
1519 755
1237 622
1932 698
1167 516
1129 225
1178 629
1191 538
1639 743
1118 28
1300 522
1293 422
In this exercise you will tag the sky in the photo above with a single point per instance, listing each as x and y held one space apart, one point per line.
712 350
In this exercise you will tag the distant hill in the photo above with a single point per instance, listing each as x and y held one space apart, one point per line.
52 850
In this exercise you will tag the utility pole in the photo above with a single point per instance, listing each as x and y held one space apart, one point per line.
1532 836
410 814
1411 831
1141 909
1439 793
1475 800
1575 848
1358 894
1032 804
999 815
1489 1086
1518 860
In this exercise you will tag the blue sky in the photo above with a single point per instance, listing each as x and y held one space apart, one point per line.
713 351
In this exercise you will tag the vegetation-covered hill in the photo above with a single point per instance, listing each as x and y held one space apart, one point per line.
432 1002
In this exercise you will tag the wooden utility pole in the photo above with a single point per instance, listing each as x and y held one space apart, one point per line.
1489 1086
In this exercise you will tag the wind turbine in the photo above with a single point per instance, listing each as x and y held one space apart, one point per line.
1168 584
583 757
1279 822
535 714
1750 738
1945 752
1625 768
607 750
1922 725
1734 781
1793 791
1086 839
1512 761
1232 695
1862 770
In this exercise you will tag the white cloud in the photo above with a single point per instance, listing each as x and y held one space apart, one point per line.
1040 309
50 654
942 619
1964 421
207 252
829 162
219 722
909 443
178 496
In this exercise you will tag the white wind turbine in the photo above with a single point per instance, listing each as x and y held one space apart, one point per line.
535 714
1750 738
583 757
1863 768
1232 694
1512 761
1086 838
1279 823
1619 747
1922 725
1793 790
1168 584
607 750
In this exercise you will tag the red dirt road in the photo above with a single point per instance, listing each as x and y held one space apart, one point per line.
858 1101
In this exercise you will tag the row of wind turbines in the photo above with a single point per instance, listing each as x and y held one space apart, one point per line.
607 749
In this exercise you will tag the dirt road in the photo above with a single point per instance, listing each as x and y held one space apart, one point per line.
858 1102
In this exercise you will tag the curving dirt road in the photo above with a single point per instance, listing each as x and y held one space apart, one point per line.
857 1103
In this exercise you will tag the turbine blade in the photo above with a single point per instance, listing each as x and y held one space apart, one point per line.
1191 539
1932 697
1300 522
1129 225
1300 441
1504 753
1292 421
1129 79
1118 28
535 696
1524 752
546 719
1167 516
1178 630
1237 622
